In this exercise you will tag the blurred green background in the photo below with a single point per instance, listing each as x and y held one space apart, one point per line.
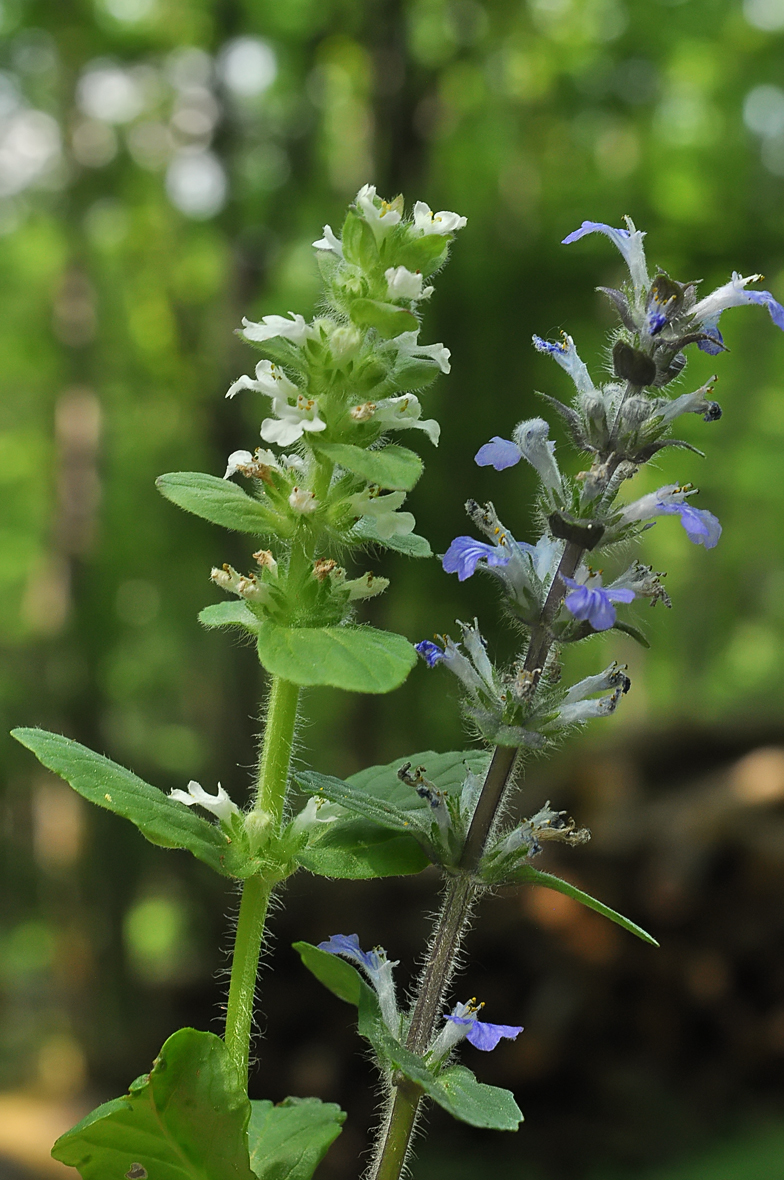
164 168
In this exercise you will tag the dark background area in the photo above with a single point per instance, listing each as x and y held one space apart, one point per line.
164 168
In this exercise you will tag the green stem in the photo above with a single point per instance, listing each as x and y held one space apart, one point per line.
270 798
244 969
395 1134
398 1131
276 748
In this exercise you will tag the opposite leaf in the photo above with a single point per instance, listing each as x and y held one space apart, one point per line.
393 467
186 1120
454 1088
528 875
287 1141
357 849
457 1090
340 977
107 784
359 659
217 500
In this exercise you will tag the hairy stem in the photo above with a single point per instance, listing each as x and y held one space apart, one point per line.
451 925
397 1129
270 799
461 894
500 771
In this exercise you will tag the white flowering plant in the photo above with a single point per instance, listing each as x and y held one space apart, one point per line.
335 389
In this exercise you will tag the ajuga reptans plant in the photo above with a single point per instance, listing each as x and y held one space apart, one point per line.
337 390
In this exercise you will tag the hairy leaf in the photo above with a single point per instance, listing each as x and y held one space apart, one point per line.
388 319
217 500
229 614
357 849
359 659
393 467
186 1120
287 1141
161 819
337 974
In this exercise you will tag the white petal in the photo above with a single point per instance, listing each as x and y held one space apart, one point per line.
236 460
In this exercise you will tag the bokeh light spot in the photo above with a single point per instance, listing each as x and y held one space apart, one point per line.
196 185
247 66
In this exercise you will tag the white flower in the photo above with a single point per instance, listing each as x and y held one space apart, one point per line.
295 329
220 804
329 242
291 421
314 812
383 509
244 585
442 222
236 461
407 346
404 413
270 380
240 460
405 284
381 218
301 500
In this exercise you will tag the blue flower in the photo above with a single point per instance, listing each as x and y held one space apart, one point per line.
499 453
732 294
483 1035
595 605
348 945
430 652
465 553
379 971
566 355
701 526
628 241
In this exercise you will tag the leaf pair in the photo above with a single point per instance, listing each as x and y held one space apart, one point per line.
454 1087
190 1119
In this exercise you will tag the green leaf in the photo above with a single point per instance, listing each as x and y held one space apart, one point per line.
337 975
217 500
457 1091
411 544
528 875
363 803
229 614
425 254
287 1141
161 819
355 849
359 243
358 659
388 319
635 632
359 848
454 1088
445 771
186 1120
393 467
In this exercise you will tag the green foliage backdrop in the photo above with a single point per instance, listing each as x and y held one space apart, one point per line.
164 167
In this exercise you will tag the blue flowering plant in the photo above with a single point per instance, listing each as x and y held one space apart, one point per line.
329 483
